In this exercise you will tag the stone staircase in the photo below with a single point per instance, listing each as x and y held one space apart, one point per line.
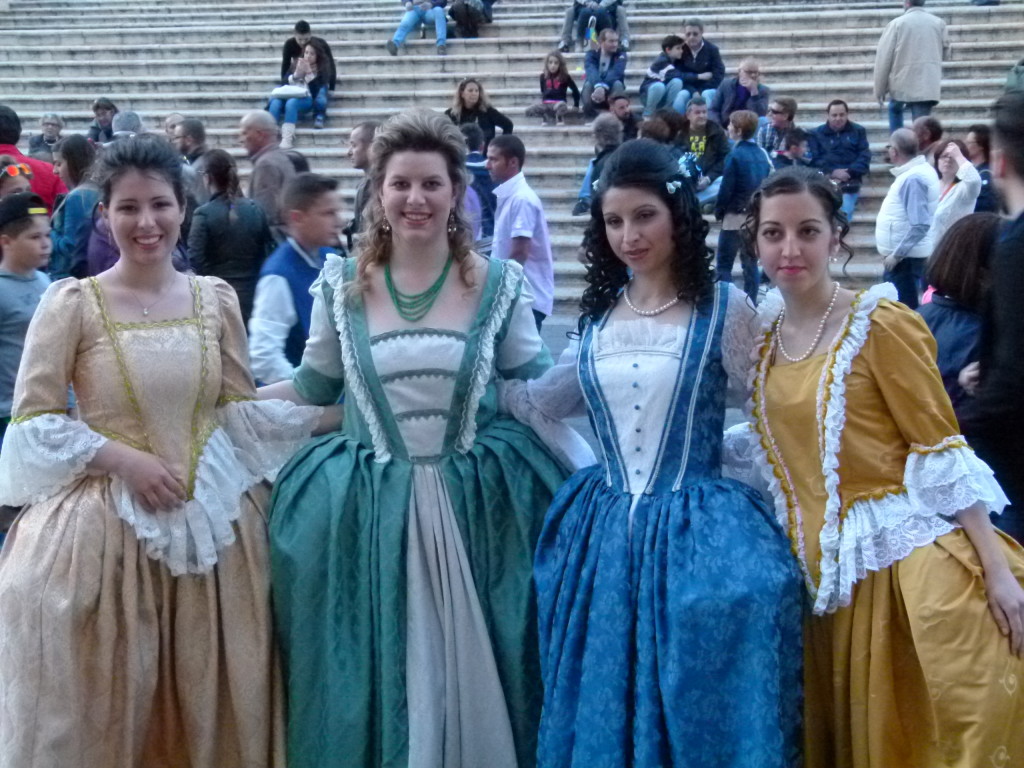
218 60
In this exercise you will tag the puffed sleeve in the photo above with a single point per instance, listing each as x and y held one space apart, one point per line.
942 473
738 339
265 433
44 450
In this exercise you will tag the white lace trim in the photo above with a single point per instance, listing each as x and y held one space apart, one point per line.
639 335
265 433
355 381
483 366
947 478
563 441
43 455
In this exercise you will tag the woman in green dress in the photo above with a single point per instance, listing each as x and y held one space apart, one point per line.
402 546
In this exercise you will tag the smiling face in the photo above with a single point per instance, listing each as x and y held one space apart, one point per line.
795 240
638 225
417 196
470 95
144 217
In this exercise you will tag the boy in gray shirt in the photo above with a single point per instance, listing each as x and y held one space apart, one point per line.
24 249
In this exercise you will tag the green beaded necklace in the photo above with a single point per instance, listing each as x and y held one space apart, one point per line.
413 306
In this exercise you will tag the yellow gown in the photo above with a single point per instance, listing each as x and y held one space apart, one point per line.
130 638
904 664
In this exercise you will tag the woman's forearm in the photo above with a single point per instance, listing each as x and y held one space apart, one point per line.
979 530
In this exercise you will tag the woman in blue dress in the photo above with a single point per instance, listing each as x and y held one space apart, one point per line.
668 600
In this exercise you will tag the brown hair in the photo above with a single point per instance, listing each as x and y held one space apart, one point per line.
958 267
745 123
482 104
562 75
942 148
418 130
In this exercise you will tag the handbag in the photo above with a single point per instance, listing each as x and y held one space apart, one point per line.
289 92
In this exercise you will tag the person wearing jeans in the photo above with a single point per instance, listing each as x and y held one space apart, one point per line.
605 70
662 82
700 67
311 71
745 168
917 109
841 151
426 12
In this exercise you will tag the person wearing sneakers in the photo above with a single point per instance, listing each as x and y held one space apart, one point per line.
311 71
421 12
292 52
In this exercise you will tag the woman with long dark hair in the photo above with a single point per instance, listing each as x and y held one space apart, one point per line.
669 603
72 222
312 72
915 632
230 236
134 585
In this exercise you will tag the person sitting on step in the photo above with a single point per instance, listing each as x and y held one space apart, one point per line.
589 18
417 13
292 53
781 119
470 15
705 147
701 66
793 150
743 91
663 80
311 71
471 105
605 70
555 84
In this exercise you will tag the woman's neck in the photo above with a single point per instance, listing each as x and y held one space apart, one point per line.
647 291
809 306
149 277
425 261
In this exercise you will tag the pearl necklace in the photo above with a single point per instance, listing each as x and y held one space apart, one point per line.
817 336
647 312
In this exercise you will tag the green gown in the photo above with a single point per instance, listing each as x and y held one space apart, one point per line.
402 546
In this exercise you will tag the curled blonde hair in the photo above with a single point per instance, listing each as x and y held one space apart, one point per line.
419 130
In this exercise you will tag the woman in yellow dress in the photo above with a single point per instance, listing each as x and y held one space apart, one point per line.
135 625
915 631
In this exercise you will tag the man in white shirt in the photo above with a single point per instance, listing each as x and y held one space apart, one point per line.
520 229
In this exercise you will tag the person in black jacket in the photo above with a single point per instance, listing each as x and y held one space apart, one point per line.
101 130
707 145
292 52
662 83
471 105
42 145
979 149
555 84
744 91
701 66
840 150
230 236
993 421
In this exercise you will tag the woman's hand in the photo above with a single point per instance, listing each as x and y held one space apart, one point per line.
969 378
150 480
1006 601
301 69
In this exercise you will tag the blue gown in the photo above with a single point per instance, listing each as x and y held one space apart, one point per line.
670 616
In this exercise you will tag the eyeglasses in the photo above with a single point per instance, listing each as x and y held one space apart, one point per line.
774 111
18 169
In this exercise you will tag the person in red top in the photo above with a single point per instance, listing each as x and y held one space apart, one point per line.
45 182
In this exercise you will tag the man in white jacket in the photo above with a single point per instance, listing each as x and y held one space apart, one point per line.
903 233
908 64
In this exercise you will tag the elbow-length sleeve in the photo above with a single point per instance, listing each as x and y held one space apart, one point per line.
45 451
738 340
942 474
535 392
263 433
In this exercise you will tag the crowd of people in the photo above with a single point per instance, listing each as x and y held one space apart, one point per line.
288 483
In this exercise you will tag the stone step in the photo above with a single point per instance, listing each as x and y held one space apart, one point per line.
168 95
26 78
877 13
998 23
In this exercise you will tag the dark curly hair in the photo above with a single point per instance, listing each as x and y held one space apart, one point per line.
793 181
645 165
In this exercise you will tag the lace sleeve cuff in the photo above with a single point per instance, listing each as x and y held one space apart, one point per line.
562 440
265 433
43 454
949 477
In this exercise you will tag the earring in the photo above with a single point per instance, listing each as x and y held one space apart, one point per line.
453 227
385 226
